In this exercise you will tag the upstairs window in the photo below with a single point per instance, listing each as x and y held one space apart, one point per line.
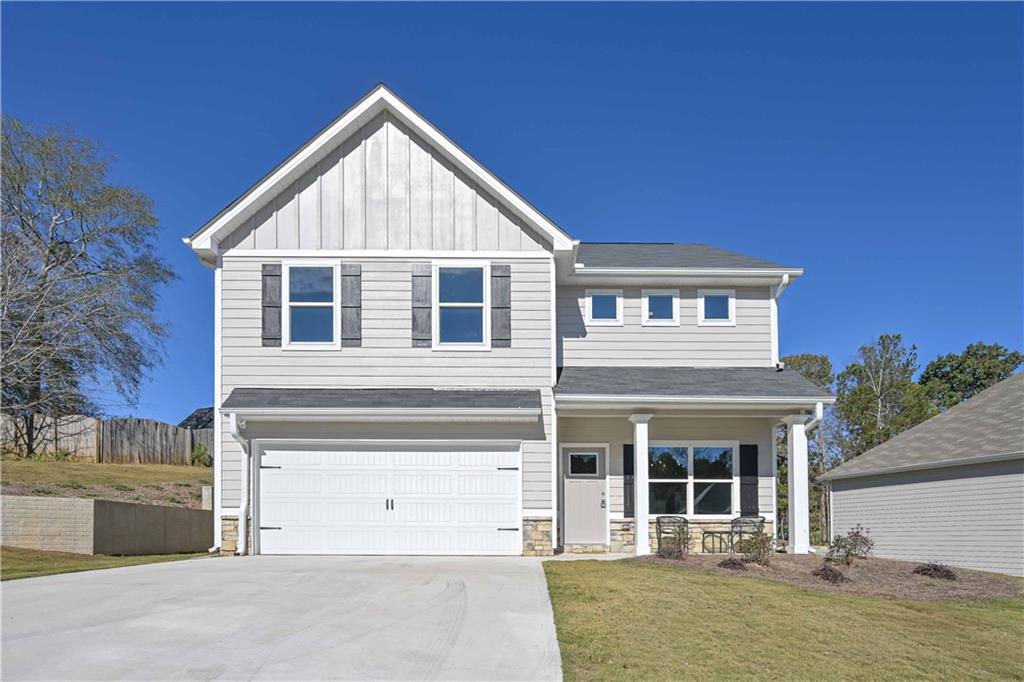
310 297
461 299
716 307
660 307
604 307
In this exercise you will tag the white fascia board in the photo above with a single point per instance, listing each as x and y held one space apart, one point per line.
690 402
376 101
384 415
675 276
837 475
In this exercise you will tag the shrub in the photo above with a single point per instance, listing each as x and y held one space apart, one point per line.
174 499
200 455
676 544
856 544
733 564
933 570
756 548
830 574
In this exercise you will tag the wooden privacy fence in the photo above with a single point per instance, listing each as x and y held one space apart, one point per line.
116 441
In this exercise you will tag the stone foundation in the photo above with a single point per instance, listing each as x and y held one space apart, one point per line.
623 537
537 536
697 530
590 548
229 535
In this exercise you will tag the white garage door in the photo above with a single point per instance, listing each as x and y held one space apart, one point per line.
340 501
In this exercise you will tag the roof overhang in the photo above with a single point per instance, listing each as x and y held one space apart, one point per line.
516 414
205 240
839 475
581 275
768 405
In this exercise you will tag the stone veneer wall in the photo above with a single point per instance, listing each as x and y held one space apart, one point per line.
623 534
537 536
229 535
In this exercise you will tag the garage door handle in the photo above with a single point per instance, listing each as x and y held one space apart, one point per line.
270 527
508 468
508 529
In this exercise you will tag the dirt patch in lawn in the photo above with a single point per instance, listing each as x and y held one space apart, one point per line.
867 577
182 494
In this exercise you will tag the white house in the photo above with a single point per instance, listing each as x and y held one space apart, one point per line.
412 359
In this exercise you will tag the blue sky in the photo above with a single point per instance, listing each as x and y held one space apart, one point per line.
878 146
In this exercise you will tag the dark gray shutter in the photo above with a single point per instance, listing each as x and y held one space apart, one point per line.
351 305
271 302
748 481
421 305
501 306
628 481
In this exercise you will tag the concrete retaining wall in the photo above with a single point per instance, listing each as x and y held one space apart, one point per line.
84 526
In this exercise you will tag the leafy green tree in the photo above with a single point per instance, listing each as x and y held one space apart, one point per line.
877 397
79 280
952 378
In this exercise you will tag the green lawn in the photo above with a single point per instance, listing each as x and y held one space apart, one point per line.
58 473
28 563
625 620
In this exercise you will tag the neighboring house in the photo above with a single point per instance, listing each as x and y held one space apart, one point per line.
948 490
201 418
412 359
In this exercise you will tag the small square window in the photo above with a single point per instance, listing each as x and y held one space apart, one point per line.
660 307
583 464
604 307
716 308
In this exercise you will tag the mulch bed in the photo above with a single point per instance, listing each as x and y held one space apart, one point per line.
167 494
868 577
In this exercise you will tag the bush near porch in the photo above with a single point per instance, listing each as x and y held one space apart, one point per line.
652 619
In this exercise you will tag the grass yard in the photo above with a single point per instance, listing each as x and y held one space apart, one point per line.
625 620
28 563
144 483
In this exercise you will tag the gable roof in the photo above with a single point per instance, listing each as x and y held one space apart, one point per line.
989 426
635 255
204 240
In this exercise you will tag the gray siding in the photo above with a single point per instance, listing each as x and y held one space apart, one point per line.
748 344
384 188
386 357
970 516
617 431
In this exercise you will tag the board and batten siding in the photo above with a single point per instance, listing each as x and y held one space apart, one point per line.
970 516
748 344
386 357
617 431
384 188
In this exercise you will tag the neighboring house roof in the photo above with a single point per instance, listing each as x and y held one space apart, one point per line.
312 152
690 382
665 256
202 418
987 427
380 399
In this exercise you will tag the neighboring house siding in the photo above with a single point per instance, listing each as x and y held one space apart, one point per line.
386 357
384 188
748 344
970 516
616 431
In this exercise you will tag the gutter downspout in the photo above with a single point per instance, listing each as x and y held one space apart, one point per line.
243 508
783 283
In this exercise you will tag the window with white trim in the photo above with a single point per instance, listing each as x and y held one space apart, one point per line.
659 307
716 307
583 464
310 301
693 479
604 307
461 301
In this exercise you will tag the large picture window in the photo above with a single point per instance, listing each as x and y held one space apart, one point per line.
461 299
697 479
310 299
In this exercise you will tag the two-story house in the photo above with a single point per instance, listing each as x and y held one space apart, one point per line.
412 359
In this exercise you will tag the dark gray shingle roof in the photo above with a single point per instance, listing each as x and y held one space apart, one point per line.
383 398
991 423
652 255
738 382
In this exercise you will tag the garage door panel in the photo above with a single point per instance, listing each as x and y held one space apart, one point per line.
358 483
353 459
491 513
487 484
286 483
422 483
355 512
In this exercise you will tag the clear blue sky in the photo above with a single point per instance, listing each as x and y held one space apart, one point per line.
878 146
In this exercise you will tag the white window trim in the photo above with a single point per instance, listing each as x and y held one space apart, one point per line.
702 322
617 293
690 480
645 310
286 306
580 451
435 313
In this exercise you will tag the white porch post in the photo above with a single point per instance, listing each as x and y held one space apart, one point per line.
799 496
640 503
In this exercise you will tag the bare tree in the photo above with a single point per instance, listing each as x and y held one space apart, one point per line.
78 281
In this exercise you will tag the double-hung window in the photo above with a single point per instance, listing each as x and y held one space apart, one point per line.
660 307
693 479
461 315
604 307
716 308
311 305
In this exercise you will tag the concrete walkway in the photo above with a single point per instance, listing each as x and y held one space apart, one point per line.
285 618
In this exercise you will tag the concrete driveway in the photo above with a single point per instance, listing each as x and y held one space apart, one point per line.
285 618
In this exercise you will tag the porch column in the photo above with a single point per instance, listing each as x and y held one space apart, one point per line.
799 497
640 503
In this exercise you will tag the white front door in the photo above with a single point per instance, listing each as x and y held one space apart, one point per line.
586 494
320 500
